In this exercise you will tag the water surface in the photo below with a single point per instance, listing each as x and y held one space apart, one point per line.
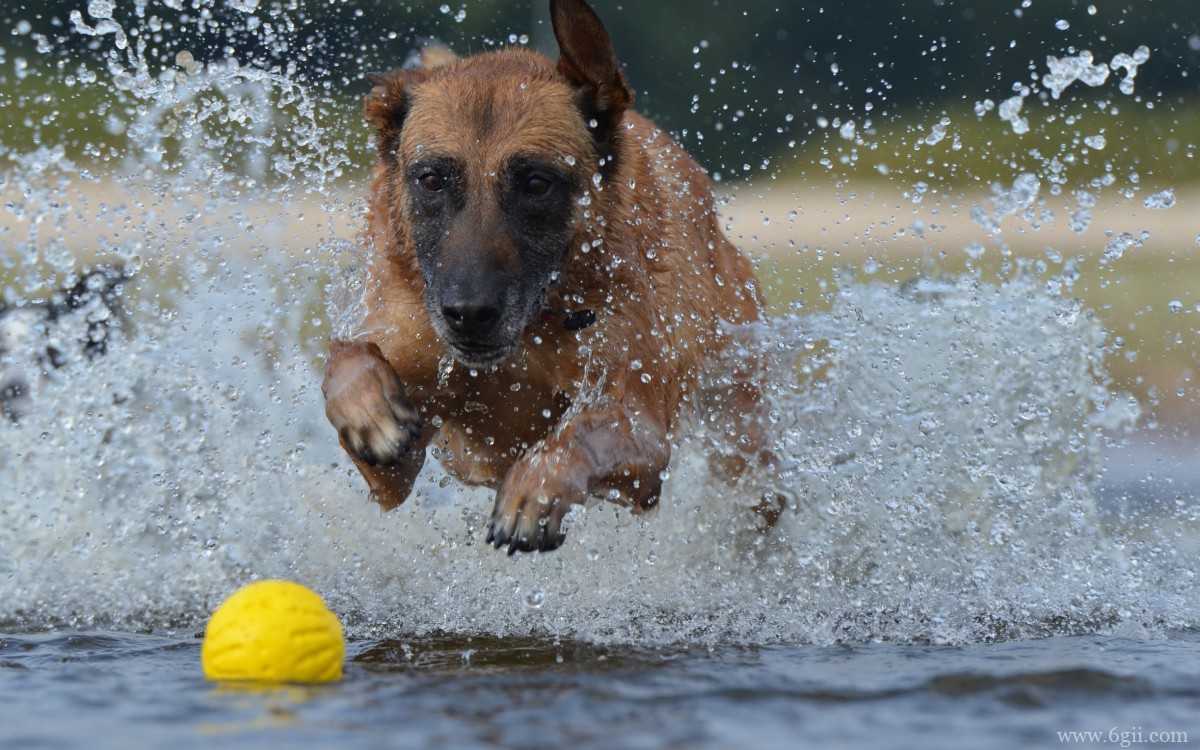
117 690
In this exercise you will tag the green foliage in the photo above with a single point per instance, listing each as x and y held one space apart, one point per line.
1069 143
738 81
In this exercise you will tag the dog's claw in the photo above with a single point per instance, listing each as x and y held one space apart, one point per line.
550 542
501 536
539 532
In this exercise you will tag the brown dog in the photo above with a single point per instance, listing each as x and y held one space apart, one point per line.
547 278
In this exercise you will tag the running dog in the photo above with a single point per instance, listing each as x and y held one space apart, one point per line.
547 278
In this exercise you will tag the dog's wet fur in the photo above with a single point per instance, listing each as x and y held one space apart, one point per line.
547 279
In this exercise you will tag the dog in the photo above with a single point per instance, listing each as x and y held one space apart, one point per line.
547 279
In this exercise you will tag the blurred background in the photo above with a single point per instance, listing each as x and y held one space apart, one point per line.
876 139
738 81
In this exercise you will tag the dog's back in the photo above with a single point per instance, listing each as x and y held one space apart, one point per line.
700 281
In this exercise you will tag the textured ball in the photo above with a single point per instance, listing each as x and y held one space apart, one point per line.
273 631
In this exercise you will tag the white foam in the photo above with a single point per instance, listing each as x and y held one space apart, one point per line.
939 442
940 467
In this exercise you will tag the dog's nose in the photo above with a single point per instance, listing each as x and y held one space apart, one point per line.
469 314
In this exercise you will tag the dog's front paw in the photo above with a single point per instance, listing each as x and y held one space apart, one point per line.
528 514
367 404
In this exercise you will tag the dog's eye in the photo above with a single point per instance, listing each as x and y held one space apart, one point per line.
432 182
537 186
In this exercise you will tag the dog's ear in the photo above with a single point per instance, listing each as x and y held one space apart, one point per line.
385 106
429 53
588 60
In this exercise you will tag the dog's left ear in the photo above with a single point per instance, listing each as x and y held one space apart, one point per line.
588 60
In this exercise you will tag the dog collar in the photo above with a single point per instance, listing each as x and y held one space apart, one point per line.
573 321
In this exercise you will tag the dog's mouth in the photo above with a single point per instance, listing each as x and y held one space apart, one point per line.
479 356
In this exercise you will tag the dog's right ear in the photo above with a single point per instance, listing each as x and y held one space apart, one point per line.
388 102
429 52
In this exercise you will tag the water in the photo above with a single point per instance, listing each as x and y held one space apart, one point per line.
122 690
980 550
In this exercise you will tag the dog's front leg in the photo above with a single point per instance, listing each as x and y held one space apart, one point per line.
377 425
619 453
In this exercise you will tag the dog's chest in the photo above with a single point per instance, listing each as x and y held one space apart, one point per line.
486 421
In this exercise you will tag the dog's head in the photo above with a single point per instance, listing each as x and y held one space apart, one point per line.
486 161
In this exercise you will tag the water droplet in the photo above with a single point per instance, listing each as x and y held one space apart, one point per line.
1160 201
938 132
1116 247
100 9
445 367
535 599
1010 111
1062 24
1174 305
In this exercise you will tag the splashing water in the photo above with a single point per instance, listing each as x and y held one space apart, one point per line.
940 441
940 483
1062 73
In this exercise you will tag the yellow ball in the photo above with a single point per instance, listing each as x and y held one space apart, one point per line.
273 631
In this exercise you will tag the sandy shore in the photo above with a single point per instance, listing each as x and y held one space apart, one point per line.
881 221
816 224
764 219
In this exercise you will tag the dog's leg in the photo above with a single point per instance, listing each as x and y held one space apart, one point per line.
377 425
738 412
749 413
618 453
